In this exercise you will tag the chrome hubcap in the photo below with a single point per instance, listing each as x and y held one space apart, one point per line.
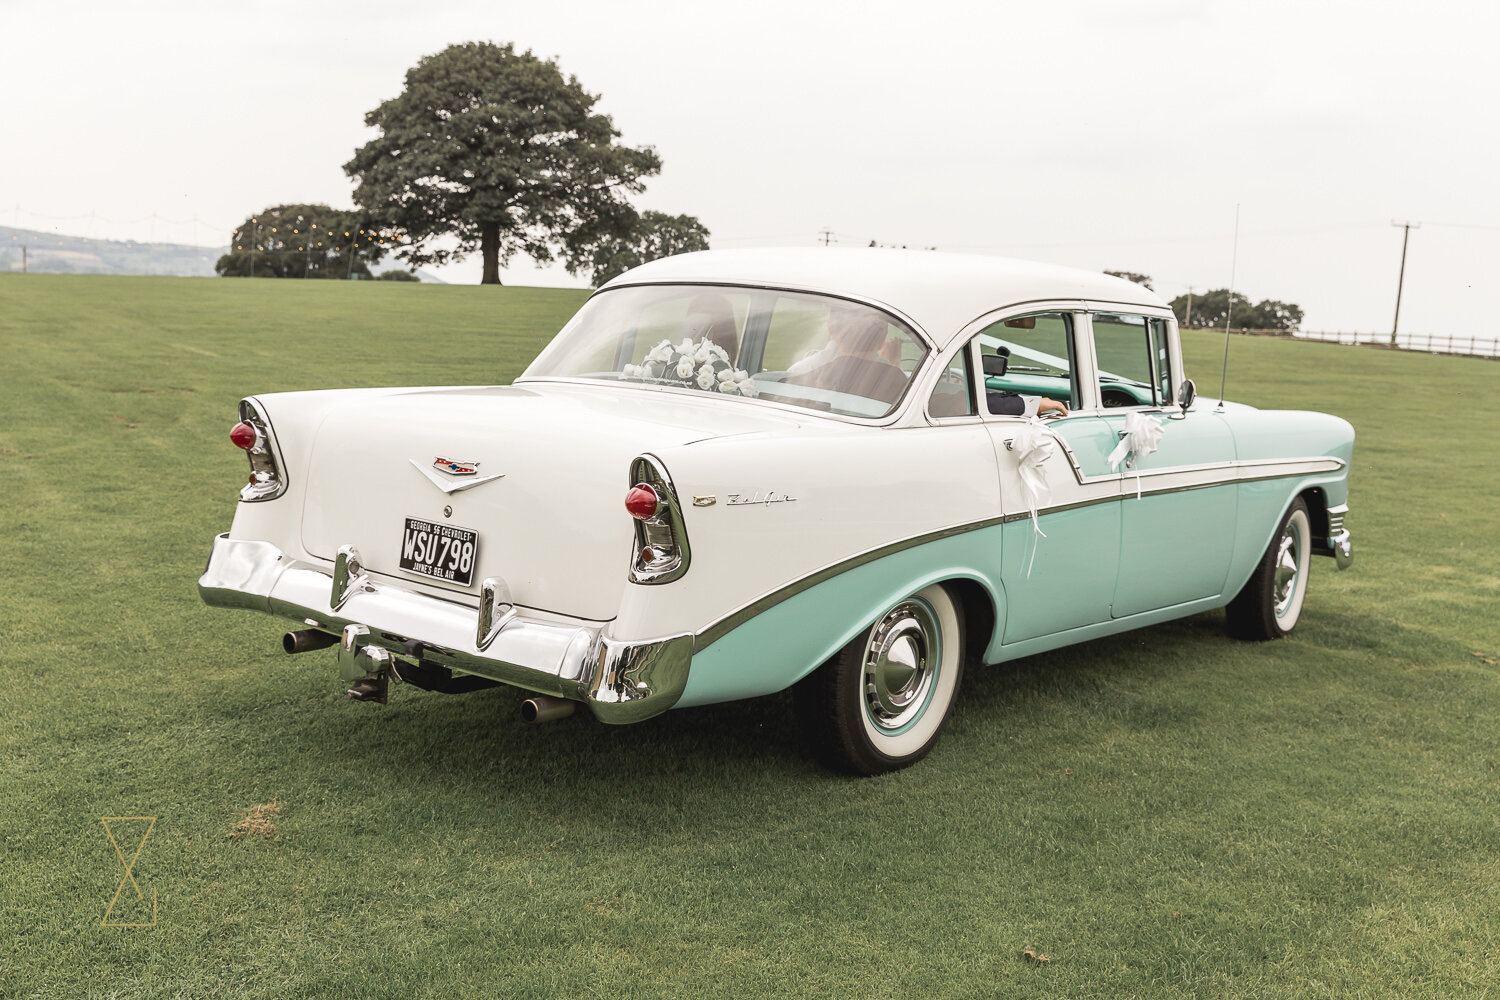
901 664
1288 563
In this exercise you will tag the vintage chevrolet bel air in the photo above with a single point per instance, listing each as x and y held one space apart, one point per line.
847 472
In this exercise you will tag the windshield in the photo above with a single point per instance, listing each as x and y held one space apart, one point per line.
813 351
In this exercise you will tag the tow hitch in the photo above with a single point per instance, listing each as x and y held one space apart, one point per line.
369 666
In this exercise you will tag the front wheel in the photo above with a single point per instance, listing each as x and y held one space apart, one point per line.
1271 601
881 702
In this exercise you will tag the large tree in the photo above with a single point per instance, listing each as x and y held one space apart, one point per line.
305 241
1210 309
498 151
615 249
1138 278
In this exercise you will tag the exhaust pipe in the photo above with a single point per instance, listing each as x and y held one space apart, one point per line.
307 639
540 708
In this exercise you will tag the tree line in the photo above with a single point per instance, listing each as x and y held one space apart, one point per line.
485 150
1212 308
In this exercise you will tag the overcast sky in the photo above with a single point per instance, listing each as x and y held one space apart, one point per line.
1093 133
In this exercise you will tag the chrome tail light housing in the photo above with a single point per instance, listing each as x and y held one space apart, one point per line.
267 480
661 544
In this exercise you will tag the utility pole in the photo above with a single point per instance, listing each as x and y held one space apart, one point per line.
23 258
1189 321
826 235
1400 281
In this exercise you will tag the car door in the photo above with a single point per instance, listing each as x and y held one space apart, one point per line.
1177 507
1059 571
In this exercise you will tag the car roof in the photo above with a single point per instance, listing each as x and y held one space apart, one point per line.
941 292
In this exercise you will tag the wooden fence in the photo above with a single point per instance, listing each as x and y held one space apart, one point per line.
1426 343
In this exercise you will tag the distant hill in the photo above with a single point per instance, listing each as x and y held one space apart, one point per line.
55 253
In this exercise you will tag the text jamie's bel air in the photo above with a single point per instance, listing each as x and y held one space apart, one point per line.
847 472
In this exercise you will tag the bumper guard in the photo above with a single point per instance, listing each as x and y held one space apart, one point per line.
620 682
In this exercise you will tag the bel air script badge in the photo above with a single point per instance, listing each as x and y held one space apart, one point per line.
770 496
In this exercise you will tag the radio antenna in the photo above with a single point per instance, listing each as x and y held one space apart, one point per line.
1234 261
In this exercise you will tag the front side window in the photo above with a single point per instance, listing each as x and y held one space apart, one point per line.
812 351
1132 359
1028 356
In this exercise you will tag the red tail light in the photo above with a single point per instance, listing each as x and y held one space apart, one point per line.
661 543
254 434
642 502
243 435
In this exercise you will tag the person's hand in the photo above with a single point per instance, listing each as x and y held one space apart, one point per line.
1051 406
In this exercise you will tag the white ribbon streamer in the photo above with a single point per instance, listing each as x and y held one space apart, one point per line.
1033 445
1140 438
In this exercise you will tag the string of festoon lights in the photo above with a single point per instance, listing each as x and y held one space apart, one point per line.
353 238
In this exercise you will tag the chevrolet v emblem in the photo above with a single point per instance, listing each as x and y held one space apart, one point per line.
453 468
448 485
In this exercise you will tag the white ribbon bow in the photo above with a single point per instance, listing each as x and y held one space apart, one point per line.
1033 445
1140 438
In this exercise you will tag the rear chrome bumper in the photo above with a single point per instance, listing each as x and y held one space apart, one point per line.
619 681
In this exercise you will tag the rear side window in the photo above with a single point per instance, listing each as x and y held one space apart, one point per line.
953 396
1131 352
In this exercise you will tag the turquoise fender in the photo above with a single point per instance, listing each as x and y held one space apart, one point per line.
788 641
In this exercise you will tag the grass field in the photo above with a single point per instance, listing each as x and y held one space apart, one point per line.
1168 814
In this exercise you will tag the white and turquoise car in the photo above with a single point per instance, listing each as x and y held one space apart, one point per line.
851 472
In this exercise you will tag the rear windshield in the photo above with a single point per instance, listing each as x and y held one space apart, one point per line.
813 351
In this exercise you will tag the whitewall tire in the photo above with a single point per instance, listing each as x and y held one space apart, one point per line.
881 702
1270 603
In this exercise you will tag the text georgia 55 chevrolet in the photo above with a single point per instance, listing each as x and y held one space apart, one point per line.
733 472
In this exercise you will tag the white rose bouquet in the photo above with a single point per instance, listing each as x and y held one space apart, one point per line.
703 365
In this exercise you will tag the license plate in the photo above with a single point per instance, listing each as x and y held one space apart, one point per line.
442 551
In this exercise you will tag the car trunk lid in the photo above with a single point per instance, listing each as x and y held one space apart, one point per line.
542 476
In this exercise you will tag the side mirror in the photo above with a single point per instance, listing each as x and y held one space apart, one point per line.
1186 393
996 364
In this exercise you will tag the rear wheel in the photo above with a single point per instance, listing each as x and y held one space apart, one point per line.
880 704
1271 601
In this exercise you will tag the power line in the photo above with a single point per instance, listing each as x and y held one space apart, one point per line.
1464 225
1151 241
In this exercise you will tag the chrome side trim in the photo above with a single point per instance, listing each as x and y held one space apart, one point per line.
1060 508
723 626
620 680
1244 469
